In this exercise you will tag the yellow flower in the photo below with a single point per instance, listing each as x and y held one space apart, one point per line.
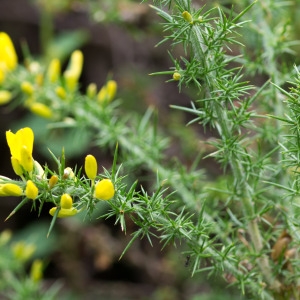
10 189
23 251
61 92
8 56
5 96
36 271
41 110
20 145
107 92
104 189
53 70
73 73
66 207
31 191
90 166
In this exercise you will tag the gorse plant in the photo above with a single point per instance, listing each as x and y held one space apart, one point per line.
242 227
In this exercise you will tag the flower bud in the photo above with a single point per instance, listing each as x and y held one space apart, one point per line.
27 88
91 90
41 110
176 76
187 16
52 181
31 190
36 271
61 92
91 167
53 72
5 96
104 189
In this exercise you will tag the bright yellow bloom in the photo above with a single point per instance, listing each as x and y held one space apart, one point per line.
53 72
16 166
107 92
104 189
20 145
10 189
5 96
8 56
41 110
31 191
66 207
91 166
73 73
36 271
23 251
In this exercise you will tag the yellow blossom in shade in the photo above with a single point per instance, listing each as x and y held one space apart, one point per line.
53 71
5 96
20 145
23 251
36 270
31 191
8 56
10 189
27 88
41 110
66 207
90 166
107 92
52 181
104 189
61 92
72 74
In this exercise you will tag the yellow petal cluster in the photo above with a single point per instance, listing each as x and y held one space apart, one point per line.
104 189
21 145
8 56
66 207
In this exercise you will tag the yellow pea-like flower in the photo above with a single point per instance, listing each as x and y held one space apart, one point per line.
66 207
61 92
104 189
10 189
27 88
176 76
91 166
31 191
8 56
26 159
